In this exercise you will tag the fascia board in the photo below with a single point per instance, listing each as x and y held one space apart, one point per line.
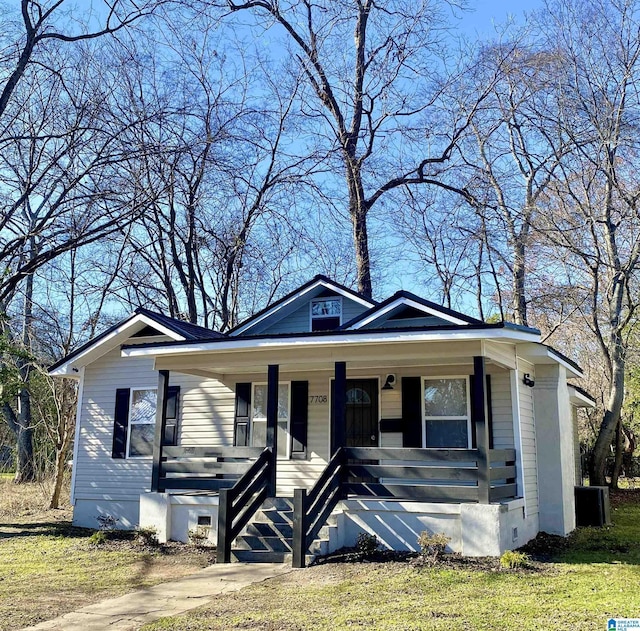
579 399
298 296
374 337
410 303
537 352
121 333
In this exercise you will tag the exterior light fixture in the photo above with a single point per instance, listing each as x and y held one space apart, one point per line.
388 384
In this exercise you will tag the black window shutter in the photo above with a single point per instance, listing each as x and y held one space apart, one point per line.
173 407
120 423
412 412
474 441
243 408
299 418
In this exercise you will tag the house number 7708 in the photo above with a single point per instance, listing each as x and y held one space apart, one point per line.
318 398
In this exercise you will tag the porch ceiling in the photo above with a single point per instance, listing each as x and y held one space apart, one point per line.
373 356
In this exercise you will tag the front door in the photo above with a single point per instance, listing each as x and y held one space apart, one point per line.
362 413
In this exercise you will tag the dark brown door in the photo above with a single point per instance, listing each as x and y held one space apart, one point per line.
362 413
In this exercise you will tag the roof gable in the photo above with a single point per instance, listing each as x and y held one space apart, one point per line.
141 322
295 301
405 309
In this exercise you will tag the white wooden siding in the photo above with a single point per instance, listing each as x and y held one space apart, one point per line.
206 417
501 410
528 437
299 321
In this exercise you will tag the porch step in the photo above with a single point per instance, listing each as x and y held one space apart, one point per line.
268 538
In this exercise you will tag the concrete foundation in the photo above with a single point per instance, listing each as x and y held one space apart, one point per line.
473 529
179 517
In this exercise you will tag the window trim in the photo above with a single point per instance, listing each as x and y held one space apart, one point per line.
130 422
318 299
251 419
441 417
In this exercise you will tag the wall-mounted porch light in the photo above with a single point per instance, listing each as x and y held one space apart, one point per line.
527 381
388 384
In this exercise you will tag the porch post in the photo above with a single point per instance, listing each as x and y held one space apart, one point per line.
161 424
339 407
272 421
479 418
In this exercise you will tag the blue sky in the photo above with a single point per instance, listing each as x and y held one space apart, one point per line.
487 12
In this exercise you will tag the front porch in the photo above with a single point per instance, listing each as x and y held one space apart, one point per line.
421 483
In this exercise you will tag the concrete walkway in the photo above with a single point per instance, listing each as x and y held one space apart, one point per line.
134 610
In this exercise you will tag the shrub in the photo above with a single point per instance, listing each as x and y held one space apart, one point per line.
147 536
199 536
366 545
513 559
432 546
98 538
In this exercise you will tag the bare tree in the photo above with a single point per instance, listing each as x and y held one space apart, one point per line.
592 213
373 84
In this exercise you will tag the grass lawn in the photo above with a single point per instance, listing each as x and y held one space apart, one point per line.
48 568
572 584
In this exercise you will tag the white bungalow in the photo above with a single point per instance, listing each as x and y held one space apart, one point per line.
324 416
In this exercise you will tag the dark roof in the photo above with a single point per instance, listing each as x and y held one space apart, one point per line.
478 326
192 332
314 280
564 358
583 392
186 329
419 300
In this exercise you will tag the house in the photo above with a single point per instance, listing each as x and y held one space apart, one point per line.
325 415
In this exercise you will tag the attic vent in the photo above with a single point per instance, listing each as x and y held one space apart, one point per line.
147 331
408 312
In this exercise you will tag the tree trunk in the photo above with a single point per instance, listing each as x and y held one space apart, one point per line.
619 451
609 423
61 463
519 297
25 470
358 211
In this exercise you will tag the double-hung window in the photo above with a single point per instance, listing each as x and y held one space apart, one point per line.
326 314
259 417
142 420
134 421
447 414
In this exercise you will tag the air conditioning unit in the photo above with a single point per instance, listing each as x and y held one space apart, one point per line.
592 506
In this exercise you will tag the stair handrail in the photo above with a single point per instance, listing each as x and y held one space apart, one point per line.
311 510
239 504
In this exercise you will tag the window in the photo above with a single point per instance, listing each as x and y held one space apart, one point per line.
326 314
446 412
259 417
142 420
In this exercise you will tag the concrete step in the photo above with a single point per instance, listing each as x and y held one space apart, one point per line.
273 515
274 544
269 529
251 556
281 503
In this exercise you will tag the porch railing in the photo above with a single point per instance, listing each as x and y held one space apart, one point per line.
434 475
311 510
428 475
237 505
203 468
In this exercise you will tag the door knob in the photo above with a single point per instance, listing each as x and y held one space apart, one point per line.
373 438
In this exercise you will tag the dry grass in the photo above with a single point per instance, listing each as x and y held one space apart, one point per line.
48 567
30 500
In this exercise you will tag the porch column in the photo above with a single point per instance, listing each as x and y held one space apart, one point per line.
272 421
339 404
479 419
161 424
